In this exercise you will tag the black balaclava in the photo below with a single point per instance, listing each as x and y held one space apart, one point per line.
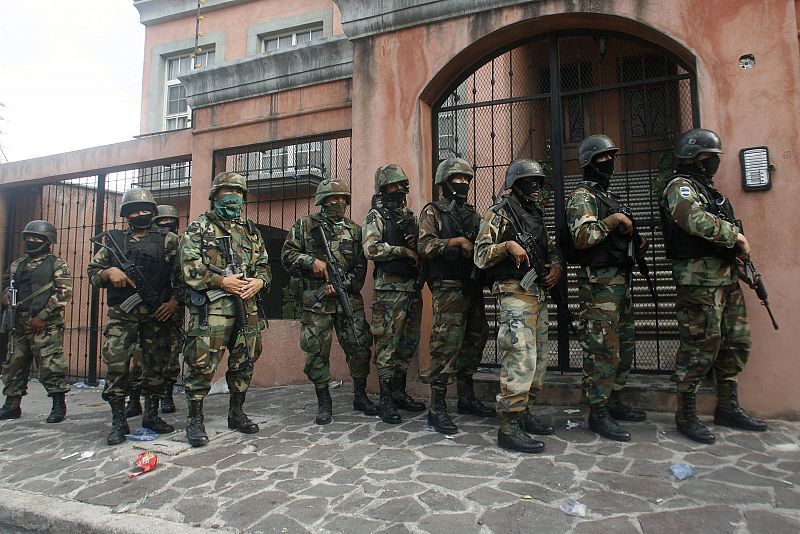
456 191
34 249
141 222
172 227
600 172
396 199
703 169
523 189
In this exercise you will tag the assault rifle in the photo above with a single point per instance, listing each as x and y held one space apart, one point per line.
454 253
10 316
336 279
750 276
634 245
144 294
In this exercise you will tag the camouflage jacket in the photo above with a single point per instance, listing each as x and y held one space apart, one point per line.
688 208
588 230
377 250
429 244
489 250
101 261
60 295
200 248
301 249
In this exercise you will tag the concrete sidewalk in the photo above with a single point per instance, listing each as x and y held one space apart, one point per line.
359 474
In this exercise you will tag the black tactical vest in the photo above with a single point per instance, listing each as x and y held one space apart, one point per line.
532 223
396 228
456 222
27 281
679 244
149 255
613 250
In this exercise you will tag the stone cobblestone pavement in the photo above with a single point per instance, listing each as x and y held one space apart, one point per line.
359 474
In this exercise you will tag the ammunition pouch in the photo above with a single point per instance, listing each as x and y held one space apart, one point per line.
199 300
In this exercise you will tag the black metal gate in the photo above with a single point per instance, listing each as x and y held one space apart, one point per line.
538 100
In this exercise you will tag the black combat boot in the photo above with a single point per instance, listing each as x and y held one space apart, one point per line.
437 414
324 405
361 402
237 419
119 424
510 435
402 399
11 409
151 419
600 421
387 411
134 407
531 423
168 403
468 404
623 412
729 413
687 422
59 410
195 429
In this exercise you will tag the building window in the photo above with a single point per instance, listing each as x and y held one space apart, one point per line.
177 113
289 39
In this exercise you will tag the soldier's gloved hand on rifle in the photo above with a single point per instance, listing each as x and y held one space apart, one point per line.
330 291
462 242
411 241
251 288
553 275
166 310
117 277
517 253
37 325
644 244
743 247
413 256
619 221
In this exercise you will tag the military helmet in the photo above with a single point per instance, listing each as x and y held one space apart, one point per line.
593 146
165 211
390 173
42 229
135 199
228 179
522 168
452 167
696 141
331 187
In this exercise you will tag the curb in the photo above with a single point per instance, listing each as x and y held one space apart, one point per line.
40 513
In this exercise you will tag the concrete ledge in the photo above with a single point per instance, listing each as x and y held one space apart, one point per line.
155 11
39 513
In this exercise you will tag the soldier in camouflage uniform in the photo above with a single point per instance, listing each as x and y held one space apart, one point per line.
603 237
703 240
522 334
304 257
229 318
166 217
447 231
390 240
44 287
153 250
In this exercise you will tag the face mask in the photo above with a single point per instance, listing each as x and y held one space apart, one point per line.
229 206
32 248
457 191
334 210
527 192
709 166
605 168
141 222
396 198
172 227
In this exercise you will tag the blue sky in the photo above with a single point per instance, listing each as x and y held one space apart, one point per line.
70 75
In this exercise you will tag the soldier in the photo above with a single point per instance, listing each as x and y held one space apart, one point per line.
44 287
304 257
222 251
522 334
602 236
153 250
390 240
703 240
447 231
166 217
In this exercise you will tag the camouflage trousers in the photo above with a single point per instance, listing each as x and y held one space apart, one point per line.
316 337
171 368
522 344
607 337
123 332
396 319
205 346
46 348
458 334
714 333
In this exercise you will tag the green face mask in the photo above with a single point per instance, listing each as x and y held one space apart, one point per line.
335 210
229 206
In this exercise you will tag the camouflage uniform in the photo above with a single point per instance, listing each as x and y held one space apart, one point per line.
46 348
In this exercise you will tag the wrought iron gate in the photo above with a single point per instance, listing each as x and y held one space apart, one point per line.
538 100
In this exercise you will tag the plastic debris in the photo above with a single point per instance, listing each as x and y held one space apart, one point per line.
429 428
573 508
83 385
573 410
527 497
572 424
335 384
67 457
146 461
86 454
219 387
681 471
142 434
449 436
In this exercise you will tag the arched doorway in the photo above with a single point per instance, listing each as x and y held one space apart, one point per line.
538 99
